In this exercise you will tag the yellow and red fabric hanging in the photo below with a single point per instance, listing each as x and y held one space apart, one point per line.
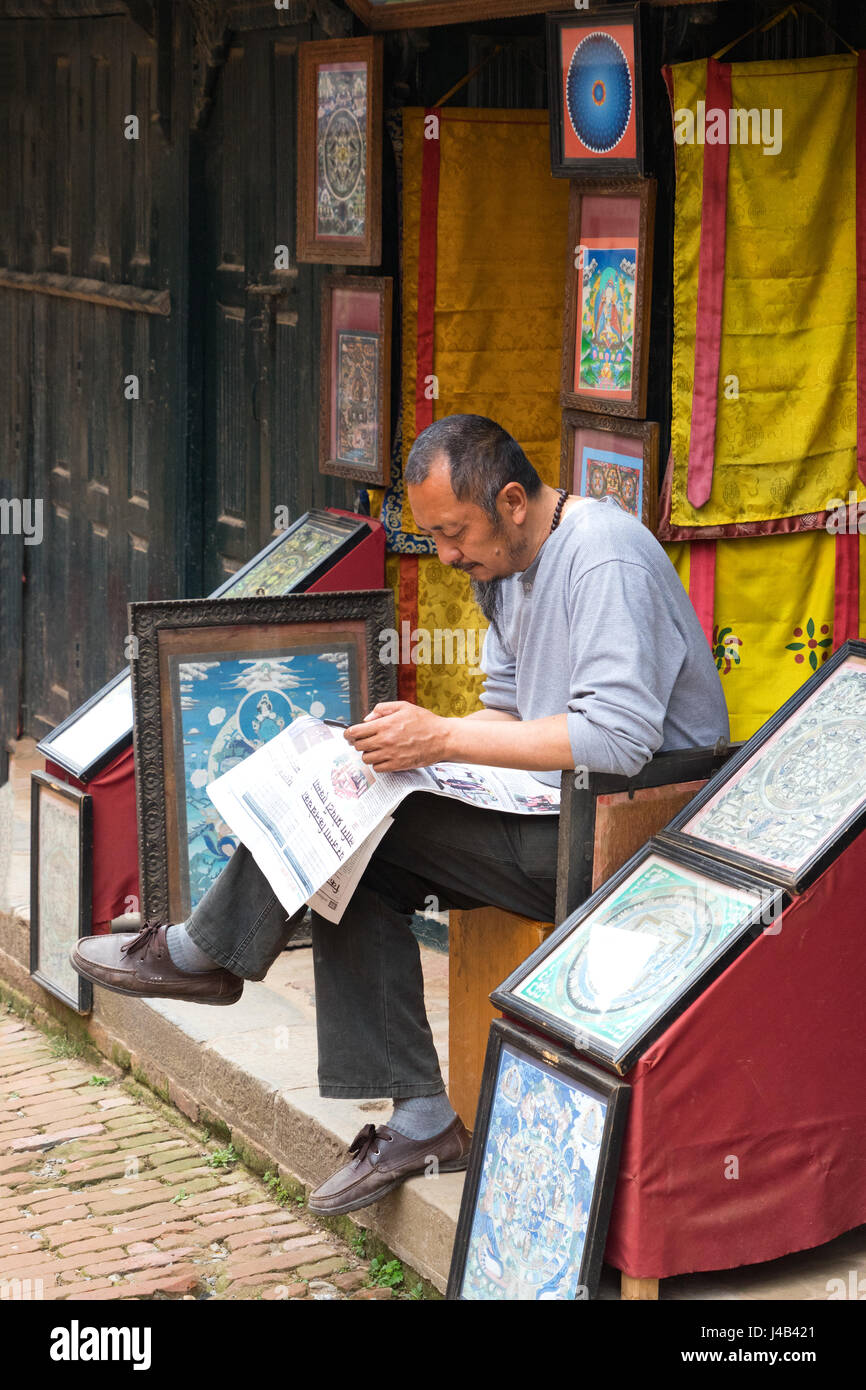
484 243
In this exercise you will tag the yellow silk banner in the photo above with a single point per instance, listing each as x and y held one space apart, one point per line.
500 276
787 407
773 617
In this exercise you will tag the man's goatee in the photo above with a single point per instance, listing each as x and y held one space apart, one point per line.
486 595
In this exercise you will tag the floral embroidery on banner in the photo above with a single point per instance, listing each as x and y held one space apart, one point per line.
812 645
725 651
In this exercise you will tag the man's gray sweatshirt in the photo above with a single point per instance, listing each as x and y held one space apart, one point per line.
600 628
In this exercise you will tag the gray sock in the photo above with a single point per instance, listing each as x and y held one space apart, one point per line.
185 954
422 1117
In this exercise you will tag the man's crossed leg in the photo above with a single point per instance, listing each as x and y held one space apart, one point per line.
373 1034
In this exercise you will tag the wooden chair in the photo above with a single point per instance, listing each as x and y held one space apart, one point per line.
600 827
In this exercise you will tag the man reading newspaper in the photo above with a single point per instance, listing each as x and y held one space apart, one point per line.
594 659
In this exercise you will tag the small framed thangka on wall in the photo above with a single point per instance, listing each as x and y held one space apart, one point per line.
355 378
793 796
539 1190
608 291
643 946
603 457
594 92
214 679
61 847
339 205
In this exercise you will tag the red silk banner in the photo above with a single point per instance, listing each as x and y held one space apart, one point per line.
711 290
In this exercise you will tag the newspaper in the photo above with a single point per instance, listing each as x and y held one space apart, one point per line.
311 811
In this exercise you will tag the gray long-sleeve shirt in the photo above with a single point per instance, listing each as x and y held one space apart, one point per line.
600 628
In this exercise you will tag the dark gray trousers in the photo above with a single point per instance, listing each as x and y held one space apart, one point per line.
373 1034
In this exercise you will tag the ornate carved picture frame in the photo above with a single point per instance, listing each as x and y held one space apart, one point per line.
608 296
355 378
339 195
413 14
214 679
603 456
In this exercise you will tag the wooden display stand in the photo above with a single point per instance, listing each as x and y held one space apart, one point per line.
484 945
600 827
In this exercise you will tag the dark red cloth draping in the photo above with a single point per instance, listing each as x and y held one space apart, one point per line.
768 1068
115 837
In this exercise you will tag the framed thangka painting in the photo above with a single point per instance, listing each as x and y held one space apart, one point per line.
538 1194
339 205
620 969
794 796
594 92
61 848
215 679
297 557
607 296
355 378
99 729
616 458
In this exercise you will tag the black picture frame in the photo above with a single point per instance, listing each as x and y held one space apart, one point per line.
370 610
547 1059
674 835
773 899
81 1000
86 770
599 166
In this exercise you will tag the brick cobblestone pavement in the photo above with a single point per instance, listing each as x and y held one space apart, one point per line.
102 1196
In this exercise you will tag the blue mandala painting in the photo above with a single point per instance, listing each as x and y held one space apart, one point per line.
599 92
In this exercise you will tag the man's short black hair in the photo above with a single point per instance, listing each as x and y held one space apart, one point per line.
482 458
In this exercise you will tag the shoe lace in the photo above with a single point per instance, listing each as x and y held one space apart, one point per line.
364 1140
146 938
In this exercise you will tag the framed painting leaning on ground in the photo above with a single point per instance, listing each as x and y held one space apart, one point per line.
620 969
594 92
61 846
794 796
608 290
542 1172
339 204
617 458
213 680
355 377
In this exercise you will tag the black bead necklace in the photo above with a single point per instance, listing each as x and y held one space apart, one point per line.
563 495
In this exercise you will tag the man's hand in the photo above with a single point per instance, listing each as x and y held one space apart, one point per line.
396 736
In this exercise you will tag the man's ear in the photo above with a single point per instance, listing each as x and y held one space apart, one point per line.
512 502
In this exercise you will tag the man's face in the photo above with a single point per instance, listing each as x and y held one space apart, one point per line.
465 536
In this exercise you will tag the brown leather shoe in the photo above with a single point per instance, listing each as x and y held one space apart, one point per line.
383 1159
139 964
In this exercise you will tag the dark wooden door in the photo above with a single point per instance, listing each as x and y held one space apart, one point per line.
92 313
260 448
